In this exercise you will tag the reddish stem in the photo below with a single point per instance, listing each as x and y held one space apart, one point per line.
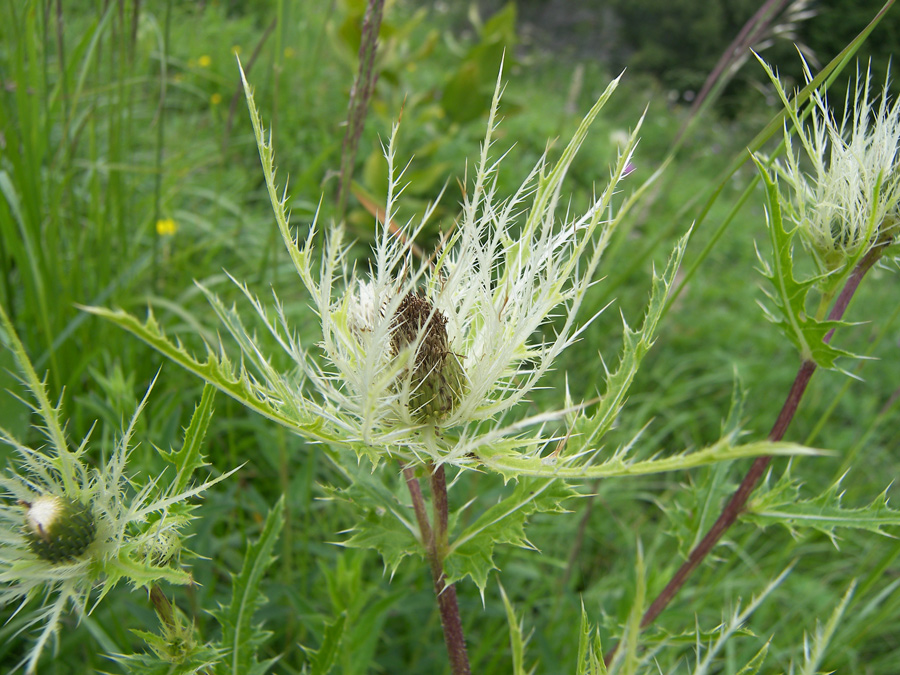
435 542
739 499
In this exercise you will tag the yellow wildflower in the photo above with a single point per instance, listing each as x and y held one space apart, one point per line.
204 61
166 227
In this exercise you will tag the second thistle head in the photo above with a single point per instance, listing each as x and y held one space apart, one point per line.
848 199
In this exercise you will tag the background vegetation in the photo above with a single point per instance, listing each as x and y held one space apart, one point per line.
128 170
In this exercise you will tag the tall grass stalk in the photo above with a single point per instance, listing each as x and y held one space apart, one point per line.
360 95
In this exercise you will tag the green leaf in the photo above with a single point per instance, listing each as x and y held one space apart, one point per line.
471 553
692 510
388 536
217 369
324 658
365 633
588 430
788 295
628 650
620 464
383 522
176 651
189 458
516 639
733 625
300 257
241 638
753 665
590 649
276 397
822 638
825 513
64 460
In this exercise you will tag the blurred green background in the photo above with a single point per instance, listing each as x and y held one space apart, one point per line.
128 170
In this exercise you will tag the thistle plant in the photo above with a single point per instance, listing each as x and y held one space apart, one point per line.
424 362
842 191
70 533
841 196
844 208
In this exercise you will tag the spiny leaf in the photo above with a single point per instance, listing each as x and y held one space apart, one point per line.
324 658
189 458
590 649
387 536
300 258
824 634
753 665
383 523
218 371
632 637
635 345
241 638
825 513
176 651
65 461
516 638
618 465
471 553
734 623
789 295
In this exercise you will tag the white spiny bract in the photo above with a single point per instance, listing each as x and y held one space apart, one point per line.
846 200
504 269
136 526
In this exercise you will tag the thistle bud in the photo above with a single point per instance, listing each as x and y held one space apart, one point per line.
436 380
59 529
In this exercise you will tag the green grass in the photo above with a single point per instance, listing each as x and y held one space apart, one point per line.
84 179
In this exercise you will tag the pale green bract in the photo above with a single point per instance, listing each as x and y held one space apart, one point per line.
504 271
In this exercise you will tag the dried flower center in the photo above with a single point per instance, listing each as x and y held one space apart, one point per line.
436 379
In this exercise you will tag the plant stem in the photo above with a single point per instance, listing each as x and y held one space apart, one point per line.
160 143
360 94
735 505
435 542
418 502
162 606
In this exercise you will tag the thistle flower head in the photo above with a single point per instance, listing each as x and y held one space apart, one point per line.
69 532
425 356
847 201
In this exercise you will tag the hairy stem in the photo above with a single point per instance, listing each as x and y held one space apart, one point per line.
735 505
418 502
435 541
